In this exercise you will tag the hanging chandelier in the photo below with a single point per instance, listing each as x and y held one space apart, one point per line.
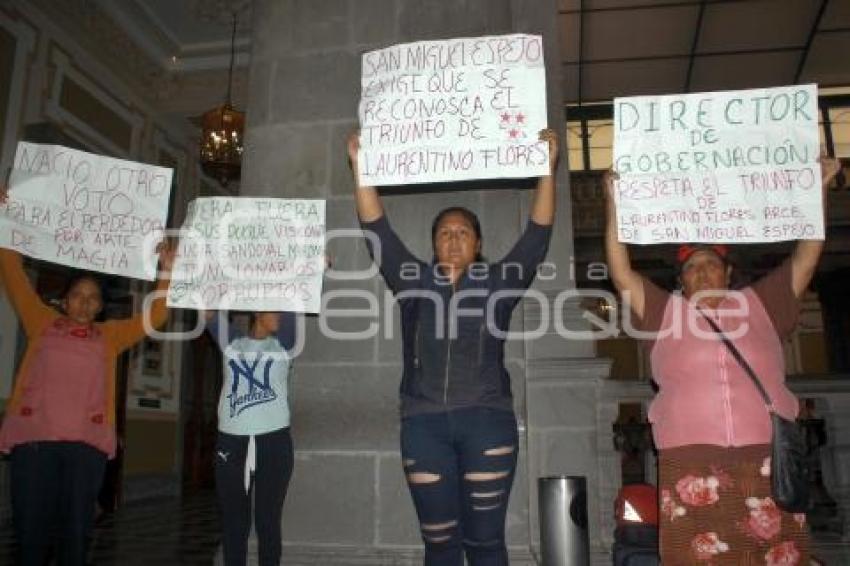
222 132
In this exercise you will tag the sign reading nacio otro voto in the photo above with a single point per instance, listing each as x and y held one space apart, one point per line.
85 211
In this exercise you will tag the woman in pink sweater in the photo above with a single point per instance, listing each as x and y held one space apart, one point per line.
711 426
59 424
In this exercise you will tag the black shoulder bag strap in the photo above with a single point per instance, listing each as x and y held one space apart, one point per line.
740 359
789 469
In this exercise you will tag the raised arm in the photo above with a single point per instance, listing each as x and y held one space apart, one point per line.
33 312
543 207
125 333
286 330
212 322
369 207
627 281
391 255
806 254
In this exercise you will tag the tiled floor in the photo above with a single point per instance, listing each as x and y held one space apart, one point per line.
185 532
158 532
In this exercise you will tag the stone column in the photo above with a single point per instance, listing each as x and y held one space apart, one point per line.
348 494
567 428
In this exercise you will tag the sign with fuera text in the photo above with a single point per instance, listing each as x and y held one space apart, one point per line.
254 254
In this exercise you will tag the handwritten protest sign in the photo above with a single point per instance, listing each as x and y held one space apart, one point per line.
86 211
262 254
452 110
737 166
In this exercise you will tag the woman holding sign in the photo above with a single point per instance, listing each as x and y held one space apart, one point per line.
710 424
59 426
254 446
458 431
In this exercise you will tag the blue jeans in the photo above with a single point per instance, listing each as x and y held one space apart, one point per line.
460 468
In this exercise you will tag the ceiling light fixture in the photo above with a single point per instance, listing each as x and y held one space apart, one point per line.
223 131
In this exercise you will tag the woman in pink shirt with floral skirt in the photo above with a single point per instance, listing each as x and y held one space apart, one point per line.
710 424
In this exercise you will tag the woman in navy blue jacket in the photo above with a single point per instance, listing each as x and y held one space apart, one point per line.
458 433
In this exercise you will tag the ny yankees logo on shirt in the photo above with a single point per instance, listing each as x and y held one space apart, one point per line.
259 392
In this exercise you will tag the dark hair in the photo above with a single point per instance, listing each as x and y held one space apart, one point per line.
252 317
72 282
467 214
78 278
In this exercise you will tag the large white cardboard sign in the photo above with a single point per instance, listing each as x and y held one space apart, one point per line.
452 110
257 254
86 211
735 166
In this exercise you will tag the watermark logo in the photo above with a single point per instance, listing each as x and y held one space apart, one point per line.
356 313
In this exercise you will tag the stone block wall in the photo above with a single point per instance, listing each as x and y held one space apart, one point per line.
348 489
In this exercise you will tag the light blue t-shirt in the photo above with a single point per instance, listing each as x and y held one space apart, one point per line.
254 396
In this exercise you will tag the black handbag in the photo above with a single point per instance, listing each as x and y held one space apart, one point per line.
789 463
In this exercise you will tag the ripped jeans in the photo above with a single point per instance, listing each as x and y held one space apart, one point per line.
460 468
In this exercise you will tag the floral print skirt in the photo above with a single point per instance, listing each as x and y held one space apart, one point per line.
716 509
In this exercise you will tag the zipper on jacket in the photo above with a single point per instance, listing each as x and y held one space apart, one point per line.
448 350
728 419
416 352
448 365
481 345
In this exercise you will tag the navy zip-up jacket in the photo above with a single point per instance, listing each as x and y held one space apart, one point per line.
451 357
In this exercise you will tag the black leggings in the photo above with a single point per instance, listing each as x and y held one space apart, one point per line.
270 481
55 486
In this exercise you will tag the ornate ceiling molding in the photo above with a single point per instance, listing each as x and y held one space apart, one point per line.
180 90
92 28
147 28
222 12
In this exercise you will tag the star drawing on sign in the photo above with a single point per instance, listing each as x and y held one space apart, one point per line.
520 118
506 117
514 133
